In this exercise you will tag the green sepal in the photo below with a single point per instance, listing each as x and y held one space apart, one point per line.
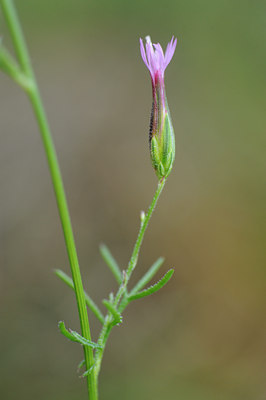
111 262
76 337
162 148
117 317
168 145
154 288
161 171
155 153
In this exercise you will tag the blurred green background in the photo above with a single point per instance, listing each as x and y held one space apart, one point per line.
203 336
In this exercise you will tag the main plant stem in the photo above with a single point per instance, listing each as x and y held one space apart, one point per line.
35 99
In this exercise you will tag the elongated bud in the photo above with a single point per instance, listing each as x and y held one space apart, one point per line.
161 135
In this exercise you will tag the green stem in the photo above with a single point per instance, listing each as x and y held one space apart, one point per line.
107 326
134 258
34 96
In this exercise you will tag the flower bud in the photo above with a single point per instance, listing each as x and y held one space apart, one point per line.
161 134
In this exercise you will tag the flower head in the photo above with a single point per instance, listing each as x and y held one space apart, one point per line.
154 58
161 136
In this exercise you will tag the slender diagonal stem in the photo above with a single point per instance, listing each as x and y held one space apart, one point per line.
143 227
134 258
35 99
107 326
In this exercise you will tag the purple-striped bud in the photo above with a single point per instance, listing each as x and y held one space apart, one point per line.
161 135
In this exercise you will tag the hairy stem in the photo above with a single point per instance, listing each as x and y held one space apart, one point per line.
35 99
134 258
122 290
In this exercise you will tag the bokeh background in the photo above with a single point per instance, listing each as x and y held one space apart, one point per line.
202 336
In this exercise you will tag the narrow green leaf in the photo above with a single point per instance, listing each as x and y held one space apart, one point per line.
76 337
148 276
90 303
111 263
9 65
116 314
154 288
65 332
81 364
88 372
85 373
85 342
64 277
124 302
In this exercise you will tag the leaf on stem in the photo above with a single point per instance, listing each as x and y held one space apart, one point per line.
148 276
9 65
76 337
90 303
89 371
111 262
117 317
154 288
81 364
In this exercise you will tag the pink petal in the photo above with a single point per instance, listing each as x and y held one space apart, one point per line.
143 54
160 56
170 49
154 58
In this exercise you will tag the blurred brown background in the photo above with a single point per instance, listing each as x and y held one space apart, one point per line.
203 336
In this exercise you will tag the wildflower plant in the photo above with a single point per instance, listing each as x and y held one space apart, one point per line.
162 151
161 135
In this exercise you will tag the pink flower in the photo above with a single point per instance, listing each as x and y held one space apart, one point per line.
154 58
161 135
